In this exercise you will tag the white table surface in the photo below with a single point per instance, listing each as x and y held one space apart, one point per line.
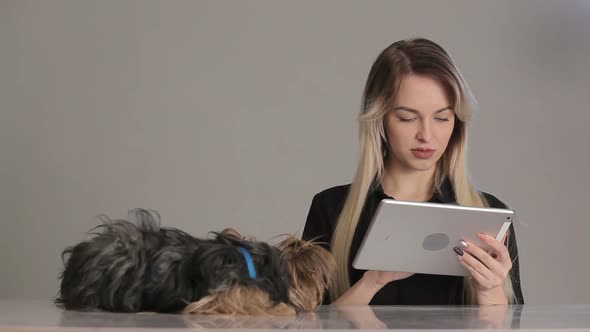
43 315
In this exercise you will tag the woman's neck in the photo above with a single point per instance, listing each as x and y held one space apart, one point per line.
408 184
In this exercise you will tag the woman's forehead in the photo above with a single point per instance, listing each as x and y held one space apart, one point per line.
423 94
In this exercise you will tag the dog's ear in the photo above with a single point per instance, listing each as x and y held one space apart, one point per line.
311 269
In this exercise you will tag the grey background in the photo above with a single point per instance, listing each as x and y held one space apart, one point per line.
235 113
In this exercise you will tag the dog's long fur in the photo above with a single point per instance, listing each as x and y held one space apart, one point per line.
132 267
242 300
310 269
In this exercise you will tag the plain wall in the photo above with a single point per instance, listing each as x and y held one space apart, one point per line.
235 113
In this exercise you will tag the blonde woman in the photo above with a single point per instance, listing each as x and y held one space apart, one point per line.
413 134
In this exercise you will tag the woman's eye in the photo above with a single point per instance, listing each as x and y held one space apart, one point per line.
406 120
442 119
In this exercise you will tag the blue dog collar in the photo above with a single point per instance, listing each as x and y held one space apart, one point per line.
249 262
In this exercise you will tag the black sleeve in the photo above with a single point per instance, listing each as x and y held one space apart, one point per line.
512 250
318 228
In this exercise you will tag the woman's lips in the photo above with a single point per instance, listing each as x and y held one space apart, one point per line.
423 153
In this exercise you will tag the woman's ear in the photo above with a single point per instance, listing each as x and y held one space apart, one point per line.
384 147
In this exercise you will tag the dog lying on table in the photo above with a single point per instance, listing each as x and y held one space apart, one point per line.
139 266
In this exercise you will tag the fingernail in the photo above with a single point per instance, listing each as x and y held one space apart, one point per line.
463 244
460 258
482 236
458 251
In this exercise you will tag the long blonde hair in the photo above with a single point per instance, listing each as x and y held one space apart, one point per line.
418 56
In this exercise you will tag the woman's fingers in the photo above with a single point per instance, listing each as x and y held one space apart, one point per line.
489 269
478 269
481 255
479 278
503 256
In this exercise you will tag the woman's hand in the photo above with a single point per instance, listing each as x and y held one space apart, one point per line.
362 291
488 270
382 278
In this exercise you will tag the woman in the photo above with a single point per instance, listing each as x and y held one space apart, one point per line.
413 132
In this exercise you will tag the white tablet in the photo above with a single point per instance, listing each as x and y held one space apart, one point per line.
419 237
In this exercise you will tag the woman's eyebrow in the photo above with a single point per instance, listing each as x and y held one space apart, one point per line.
411 110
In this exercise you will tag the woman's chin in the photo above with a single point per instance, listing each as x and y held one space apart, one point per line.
423 165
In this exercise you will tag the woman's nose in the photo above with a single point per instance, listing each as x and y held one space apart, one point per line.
424 132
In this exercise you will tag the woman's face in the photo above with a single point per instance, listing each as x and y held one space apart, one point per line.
420 123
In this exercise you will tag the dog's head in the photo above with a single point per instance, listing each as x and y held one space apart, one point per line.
311 268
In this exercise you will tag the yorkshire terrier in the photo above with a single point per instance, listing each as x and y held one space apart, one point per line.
139 266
